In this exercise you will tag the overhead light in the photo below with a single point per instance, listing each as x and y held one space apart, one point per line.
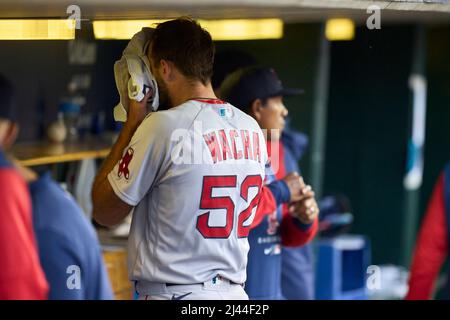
228 29
244 29
37 29
121 29
340 29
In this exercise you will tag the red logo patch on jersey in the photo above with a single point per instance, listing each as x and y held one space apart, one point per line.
124 162
273 223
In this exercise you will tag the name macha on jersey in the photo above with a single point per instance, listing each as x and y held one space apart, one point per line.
233 144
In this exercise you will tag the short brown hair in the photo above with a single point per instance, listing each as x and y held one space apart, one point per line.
185 43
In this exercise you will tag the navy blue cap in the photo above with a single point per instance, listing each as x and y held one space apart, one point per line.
6 99
245 85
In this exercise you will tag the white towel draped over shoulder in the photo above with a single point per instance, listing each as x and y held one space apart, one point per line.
133 76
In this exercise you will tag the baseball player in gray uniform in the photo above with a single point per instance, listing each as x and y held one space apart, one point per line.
192 175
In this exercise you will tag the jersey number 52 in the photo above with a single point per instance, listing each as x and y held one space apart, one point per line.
207 201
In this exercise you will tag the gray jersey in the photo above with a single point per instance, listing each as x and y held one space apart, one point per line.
193 173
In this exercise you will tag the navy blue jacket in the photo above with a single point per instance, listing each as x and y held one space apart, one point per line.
68 245
297 274
264 258
264 268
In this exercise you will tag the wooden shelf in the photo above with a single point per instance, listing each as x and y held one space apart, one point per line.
41 153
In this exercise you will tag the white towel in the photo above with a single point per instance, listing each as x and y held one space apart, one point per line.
134 62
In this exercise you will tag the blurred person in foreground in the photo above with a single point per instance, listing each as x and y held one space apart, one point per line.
69 250
432 246
21 275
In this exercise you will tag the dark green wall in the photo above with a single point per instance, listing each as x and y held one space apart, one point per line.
437 149
294 58
368 114
369 124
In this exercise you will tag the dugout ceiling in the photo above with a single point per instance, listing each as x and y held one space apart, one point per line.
428 11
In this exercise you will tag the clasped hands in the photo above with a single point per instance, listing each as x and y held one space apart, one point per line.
302 205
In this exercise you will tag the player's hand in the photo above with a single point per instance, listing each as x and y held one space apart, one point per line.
137 110
306 209
295 184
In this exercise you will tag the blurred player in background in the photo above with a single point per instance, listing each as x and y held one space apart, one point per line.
259 92
432 246
298 274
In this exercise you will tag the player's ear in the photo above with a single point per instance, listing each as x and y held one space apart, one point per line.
167 70
10 132
255 109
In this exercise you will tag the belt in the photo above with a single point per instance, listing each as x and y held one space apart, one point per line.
177 284
216 278
143 287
